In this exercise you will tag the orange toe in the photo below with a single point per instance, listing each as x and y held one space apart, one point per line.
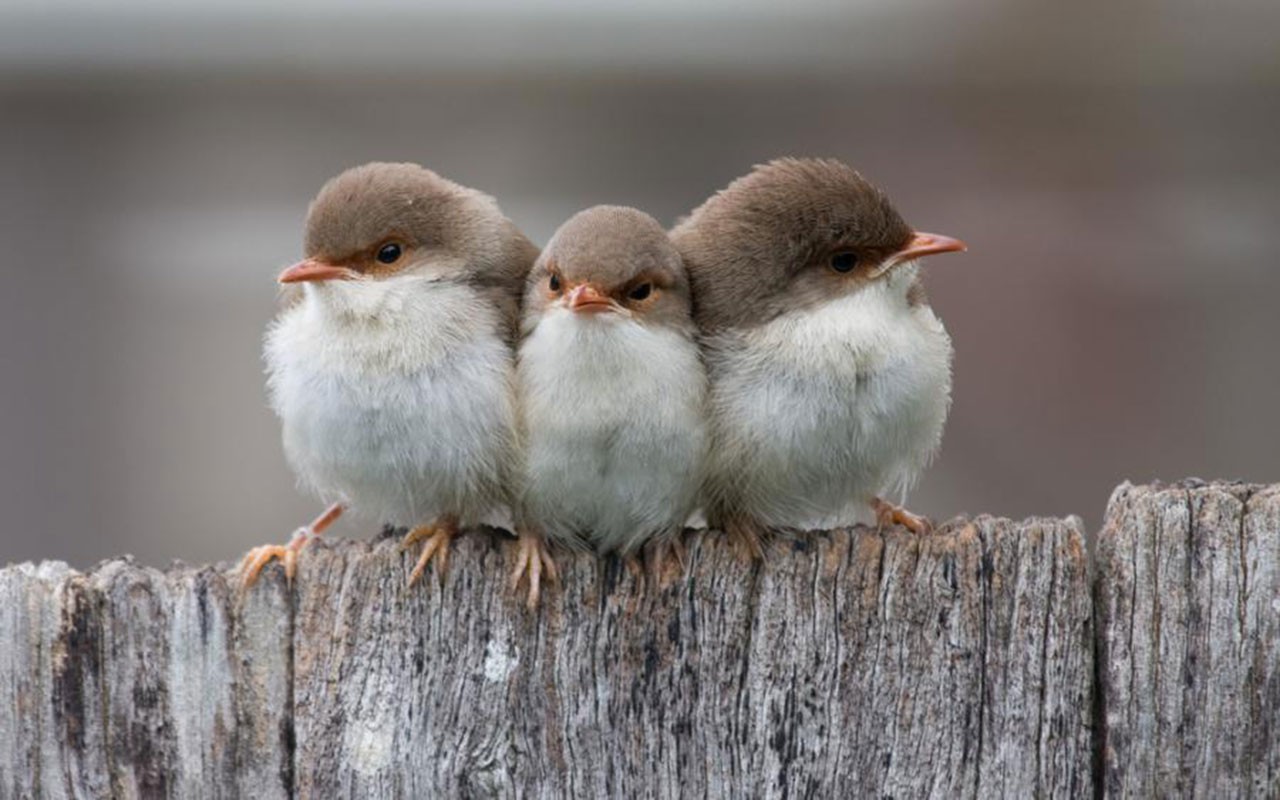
438 538
888 515
257 558
533 560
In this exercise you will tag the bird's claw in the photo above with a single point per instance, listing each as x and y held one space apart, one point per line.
438 538
533 560
888 515
747 538
658 553
257 558
253 562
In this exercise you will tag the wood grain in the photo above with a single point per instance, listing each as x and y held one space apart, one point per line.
853 662
1189 617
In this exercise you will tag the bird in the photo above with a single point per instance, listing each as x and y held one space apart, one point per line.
830 374
611 390
392 370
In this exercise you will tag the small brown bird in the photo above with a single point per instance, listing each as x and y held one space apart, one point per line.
392 372
612 392
830 374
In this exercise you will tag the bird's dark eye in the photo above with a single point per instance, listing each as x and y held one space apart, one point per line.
389 253
640 292
844 262
554 282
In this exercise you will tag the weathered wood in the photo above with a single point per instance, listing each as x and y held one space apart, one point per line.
852 661
956 664
129 682
1189 623
960 664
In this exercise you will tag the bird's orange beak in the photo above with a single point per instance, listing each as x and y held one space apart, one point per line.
312 270
587 299
924 244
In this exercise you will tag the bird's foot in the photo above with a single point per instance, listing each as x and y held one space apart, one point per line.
747 537
438 537
632 562
664 551
257 558
888 515
532 561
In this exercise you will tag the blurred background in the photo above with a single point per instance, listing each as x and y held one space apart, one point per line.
1113 166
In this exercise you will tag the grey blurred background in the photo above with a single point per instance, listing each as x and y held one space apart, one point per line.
1113 167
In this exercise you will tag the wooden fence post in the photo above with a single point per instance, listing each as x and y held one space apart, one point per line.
960 664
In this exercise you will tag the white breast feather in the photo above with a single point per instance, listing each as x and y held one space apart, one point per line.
395 396
613 426
819 410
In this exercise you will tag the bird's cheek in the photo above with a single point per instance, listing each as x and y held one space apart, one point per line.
897 274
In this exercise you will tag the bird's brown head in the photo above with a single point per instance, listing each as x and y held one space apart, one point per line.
379 221
608 263
792 234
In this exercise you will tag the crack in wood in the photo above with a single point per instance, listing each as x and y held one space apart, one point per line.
990 658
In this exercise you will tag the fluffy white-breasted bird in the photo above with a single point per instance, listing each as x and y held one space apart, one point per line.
392 373
830 373
611 389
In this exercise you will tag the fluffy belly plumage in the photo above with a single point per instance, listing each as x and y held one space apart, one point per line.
403 449
614 432
613 485
810 425
407 419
